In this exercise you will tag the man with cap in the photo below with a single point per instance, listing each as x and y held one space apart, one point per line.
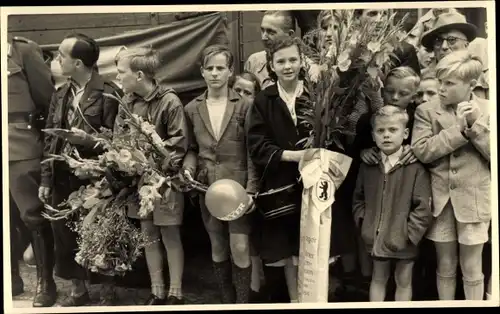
30 88
451 32
425 24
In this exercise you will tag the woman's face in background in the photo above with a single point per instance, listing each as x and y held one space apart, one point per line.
378 17
329 28
426 58
244 88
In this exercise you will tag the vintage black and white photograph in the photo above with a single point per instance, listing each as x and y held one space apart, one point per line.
249 154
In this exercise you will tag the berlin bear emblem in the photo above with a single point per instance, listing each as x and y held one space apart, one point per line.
324 190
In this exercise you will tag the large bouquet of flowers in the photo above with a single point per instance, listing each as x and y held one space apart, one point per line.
130 172
350 71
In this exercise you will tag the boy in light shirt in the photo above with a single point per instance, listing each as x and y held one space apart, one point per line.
218 150
452 138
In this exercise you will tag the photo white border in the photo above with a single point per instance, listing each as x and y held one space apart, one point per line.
39 10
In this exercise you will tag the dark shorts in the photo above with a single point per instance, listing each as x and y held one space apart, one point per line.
241 225
170 213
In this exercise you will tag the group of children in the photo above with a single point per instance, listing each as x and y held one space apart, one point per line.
424 171
441 192
427 174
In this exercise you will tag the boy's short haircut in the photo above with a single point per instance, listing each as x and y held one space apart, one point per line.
249 76
289 19
428 74
390 111
402 73
143 59
462 64
213 50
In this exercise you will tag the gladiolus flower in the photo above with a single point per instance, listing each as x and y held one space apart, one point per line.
344 62
373 46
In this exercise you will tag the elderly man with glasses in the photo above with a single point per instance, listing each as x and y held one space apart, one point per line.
451 32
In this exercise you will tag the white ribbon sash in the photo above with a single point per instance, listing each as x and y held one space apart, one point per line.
322 173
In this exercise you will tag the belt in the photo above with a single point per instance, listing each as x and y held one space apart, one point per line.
19 117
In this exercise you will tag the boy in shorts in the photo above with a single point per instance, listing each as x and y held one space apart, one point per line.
159 105
452 139
392 205
218 150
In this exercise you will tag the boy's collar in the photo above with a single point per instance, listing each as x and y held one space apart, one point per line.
394 157
231 96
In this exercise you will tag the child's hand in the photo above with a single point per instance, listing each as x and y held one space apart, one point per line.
462 122
407 157
469 110
370 156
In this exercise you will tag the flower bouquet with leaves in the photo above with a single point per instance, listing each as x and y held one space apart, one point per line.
350 77
133 170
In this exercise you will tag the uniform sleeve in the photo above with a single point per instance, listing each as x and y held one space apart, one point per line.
176 140
46 167
39 77
429 147
420 217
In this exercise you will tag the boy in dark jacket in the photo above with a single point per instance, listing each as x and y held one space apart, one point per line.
392 205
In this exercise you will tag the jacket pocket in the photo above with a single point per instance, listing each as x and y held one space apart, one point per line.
93 116
397 239
367 232
483 202
236 128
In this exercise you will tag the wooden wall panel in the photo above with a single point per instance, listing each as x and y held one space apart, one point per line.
45 37
251 41
40 22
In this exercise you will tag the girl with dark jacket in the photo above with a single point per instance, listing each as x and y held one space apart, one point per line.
273 132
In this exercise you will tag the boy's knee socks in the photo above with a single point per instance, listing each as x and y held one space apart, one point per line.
222 271
473 289
241 280
446 285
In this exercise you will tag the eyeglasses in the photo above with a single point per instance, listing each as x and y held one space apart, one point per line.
438 42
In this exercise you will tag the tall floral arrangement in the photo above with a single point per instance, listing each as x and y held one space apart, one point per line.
130 171
349 78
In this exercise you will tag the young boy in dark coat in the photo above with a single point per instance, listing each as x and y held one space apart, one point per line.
392 206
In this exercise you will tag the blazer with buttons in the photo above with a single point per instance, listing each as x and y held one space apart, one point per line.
459 165
211 159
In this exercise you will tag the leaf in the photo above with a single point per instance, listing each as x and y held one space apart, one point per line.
91 202
373 72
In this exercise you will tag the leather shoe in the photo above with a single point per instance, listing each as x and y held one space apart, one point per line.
17 285
171 300
255 297
154 300
81 300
